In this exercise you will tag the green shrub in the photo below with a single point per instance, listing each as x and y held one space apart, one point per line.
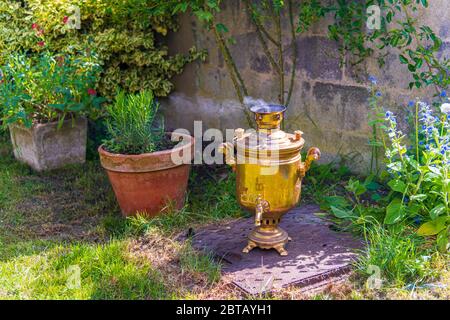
123 34
47 88
131 124
419 175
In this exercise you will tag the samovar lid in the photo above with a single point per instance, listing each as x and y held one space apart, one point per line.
259 142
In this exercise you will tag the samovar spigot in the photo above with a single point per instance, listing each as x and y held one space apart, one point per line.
261 207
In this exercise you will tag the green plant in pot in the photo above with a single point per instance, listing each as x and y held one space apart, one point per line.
44 101
147 170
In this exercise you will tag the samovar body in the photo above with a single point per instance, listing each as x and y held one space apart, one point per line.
269 172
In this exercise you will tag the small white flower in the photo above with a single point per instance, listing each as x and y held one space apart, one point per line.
445 108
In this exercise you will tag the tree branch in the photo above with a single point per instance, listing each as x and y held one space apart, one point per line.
294 48
235 76
261 39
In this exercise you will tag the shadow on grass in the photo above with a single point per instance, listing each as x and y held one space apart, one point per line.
53 221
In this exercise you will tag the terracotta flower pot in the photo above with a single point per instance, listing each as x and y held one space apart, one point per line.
149 183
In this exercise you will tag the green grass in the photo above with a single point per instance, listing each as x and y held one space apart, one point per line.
400 257
79 271
193 261
51 223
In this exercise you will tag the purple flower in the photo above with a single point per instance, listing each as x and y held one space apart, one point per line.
373 79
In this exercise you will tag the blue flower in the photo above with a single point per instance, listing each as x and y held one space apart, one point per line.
417 220
443 93
379 94
411 103
373 79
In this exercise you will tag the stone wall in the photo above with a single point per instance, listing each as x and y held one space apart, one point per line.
329 101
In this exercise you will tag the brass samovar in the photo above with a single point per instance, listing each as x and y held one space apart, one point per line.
269 173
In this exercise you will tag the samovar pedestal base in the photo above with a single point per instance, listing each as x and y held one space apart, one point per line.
268 237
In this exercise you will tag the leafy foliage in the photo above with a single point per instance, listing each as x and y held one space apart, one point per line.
47 88
131 124
417 176
420 177
125 35
418 45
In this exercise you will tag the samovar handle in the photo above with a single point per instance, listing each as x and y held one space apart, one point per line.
227 149
312 155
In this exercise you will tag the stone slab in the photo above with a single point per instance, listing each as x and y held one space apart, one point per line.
317 254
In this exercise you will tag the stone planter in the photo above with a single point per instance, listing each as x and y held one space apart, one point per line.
45 147
149 183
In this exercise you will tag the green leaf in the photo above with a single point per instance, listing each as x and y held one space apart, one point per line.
419 63
442 240
403 59
376 197
418 197
432 228
221 28
437 211
339 213
373 186
336 201
231 41
356 187
397 185
394 212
